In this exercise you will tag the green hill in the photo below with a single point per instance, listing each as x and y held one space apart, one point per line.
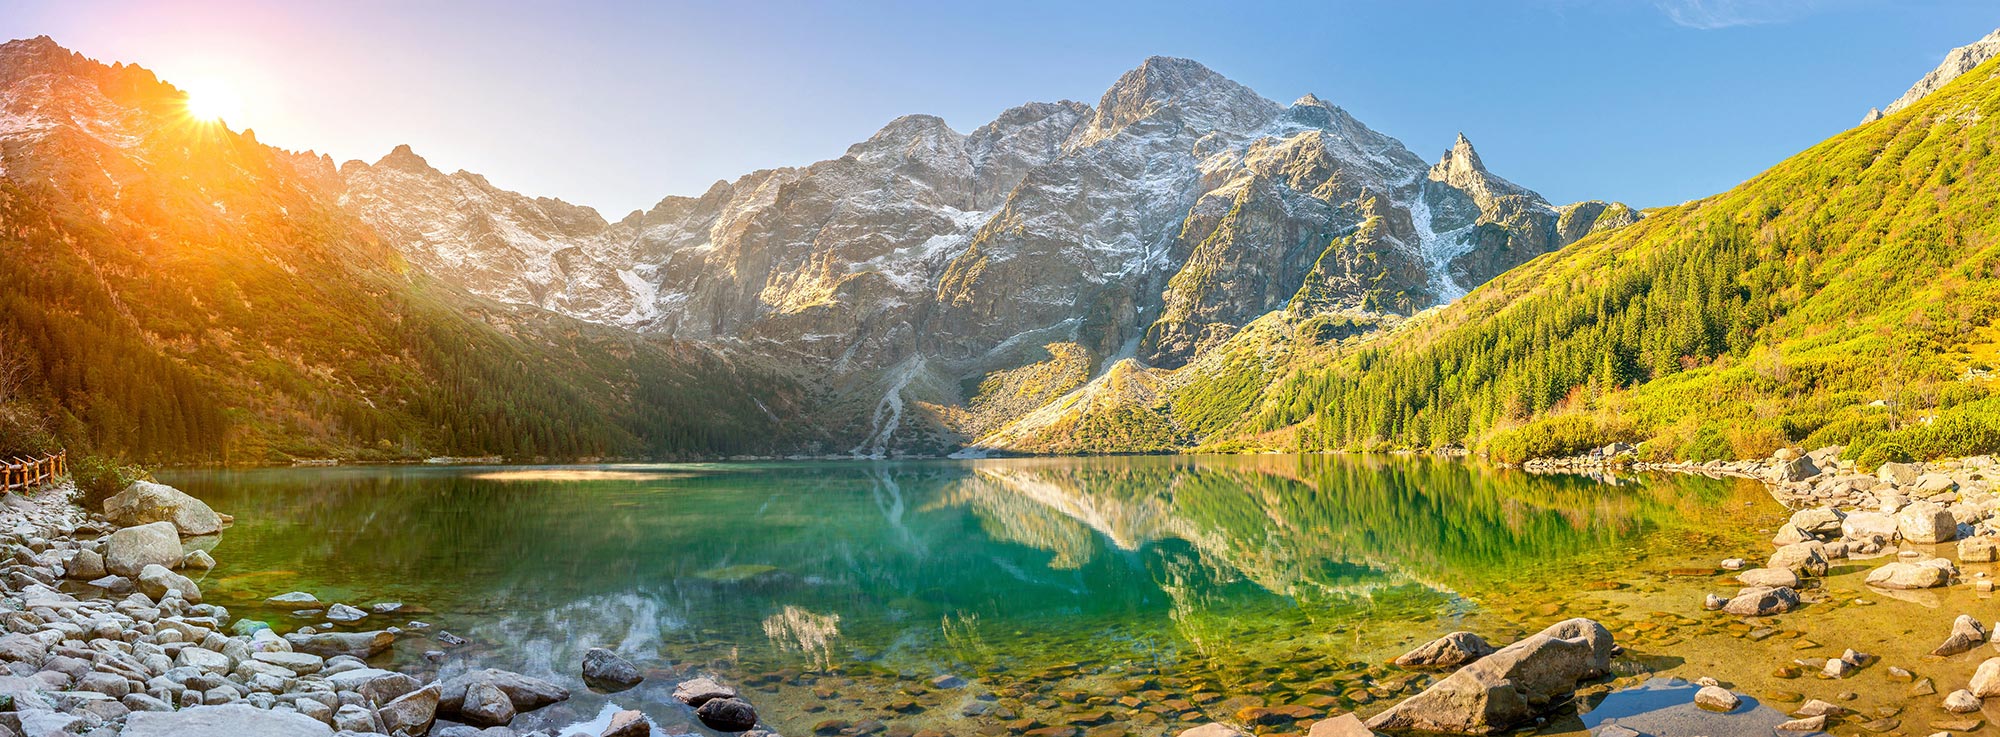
1845 296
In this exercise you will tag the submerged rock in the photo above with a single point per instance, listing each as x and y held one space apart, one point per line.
1455 649
727 715
627 723
1717 698
1510 686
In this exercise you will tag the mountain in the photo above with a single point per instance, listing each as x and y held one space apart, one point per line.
1961 60
171 290
974 278
1846 296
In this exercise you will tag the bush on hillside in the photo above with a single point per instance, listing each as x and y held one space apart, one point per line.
1555 437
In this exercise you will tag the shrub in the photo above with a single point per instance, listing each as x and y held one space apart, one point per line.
1554 437
1709 443
99 477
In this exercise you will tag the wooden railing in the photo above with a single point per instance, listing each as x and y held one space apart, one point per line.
24 473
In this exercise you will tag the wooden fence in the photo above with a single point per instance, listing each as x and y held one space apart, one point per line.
25 473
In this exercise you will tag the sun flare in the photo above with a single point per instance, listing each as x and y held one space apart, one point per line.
210 100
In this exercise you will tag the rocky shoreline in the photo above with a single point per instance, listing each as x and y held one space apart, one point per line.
103 636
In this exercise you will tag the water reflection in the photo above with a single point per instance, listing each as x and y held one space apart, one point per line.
927 567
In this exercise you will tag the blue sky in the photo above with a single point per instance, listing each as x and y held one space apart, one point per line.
615 105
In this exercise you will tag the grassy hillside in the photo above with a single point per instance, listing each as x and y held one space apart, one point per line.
1846 296
175 291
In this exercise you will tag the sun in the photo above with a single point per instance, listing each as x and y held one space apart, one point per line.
212 101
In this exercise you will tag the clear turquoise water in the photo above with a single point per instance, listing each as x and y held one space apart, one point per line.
1279 575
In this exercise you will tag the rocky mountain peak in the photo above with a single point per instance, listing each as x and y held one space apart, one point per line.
405 159
1961 60
1462 157
1199 97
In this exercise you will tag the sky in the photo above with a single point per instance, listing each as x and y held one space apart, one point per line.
618 104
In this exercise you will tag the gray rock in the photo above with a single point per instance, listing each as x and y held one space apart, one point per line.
1926 523
329 644
484 704
1966 634
199 559
85 565
1768 577
1900 575
1986 679
1962 702
1900 474
1806 558
1717 698
627 723
697 691
303 664
145 502
1818 520
233 720
727 715
155 581
1869 526
130 550
345 613
354 718
606 670
1510 686
294 599
1452 650
1979 549
527 694
411 714
1760 601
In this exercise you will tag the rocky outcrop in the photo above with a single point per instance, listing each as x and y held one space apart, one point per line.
1509 687
1961 60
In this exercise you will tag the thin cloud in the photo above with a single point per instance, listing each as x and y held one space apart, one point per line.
1709 15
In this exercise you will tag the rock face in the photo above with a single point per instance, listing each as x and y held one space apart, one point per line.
231 720
1956 63
130 550
146 502
1510 686
1455 649
1170 215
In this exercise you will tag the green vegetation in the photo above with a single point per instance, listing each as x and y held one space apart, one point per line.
1843 297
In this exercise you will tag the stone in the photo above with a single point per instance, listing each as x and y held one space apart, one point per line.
130 550
1804 724
1818 521
1869 526
1452 650
411 714
627 723
1926 523
727 715
1806 558
1795 469
1760 601
485 704
155 581
329 644
1933 483
198 560
145 502
1962 702
1979 549
697 691
1345 725
527 694
229 720
605 670
1510 686
85 565
1214 729
1900 474
1818 708
1717 698
1966 634
344 613
1768 578
203 659
1986 679
303 664
1900 575
294 599
353 718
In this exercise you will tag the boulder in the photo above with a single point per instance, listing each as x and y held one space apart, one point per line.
627 723
1966 634
1962 702
1761 601
1789 533
199 559
145 502
1932 483
1449 651
603 668
229 720
1214 729
1804 724
155 581
1900 474
525 693
1900 575
1818 520
697 691
1986 680
411 714
727 715
130 550
344 613
1805 559
1869 526
1801 468
1979 549
85 565
1509 687
294 599
1345 725
329 644
486 705
1768 577
1717 698
1926 523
